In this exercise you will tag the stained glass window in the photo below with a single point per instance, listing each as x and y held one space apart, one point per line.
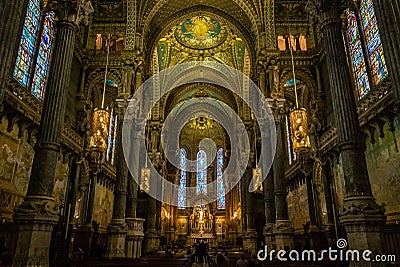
112 135
201 187
29 53
292 155
357 55
182 182
220 181
26 49
43 58
373 41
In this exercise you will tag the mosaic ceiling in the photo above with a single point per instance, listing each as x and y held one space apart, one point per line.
171 7
201 32
202 38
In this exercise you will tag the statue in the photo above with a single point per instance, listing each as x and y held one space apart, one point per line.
84 9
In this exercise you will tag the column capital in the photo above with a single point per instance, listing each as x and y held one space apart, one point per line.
278 108
74 11
327 11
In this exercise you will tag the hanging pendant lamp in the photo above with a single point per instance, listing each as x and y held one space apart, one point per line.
298 118
101 116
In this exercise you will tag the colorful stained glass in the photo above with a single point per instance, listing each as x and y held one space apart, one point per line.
220 181
373 41
292 155
201 187
26 49
110 136
182 182
42 64
357 55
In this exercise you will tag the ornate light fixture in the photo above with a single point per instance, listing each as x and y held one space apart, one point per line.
145 176
101 116
298 118
257 171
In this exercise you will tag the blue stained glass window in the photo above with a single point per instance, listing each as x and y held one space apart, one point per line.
43 58
357 55
201 187
292 155
182 182
373 41
26 49
114 142
220 181
112 136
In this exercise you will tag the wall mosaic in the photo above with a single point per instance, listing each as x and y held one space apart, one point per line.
383 158
298 214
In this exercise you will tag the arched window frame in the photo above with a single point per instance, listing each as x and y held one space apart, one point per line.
182 180
370 81
112 137
34 52
292 156
220 180
201 181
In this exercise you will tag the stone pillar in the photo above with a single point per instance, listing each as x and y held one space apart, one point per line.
243 205
327 179
270 211
331 230
72 206
283 229
11 21
314 233
95 157
362 218
134 237
117 229
152 239
37 215
388 14
250 237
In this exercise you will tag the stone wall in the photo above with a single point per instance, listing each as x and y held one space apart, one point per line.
298 208
383 160
16 155
103 205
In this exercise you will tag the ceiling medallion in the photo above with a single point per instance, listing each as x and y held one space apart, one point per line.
201 32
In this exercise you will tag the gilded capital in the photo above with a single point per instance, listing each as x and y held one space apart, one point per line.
327 11
75 11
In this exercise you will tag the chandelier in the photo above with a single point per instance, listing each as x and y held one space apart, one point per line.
257 171
145 172
298 117
101 116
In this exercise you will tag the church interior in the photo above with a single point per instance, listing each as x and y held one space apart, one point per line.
70 75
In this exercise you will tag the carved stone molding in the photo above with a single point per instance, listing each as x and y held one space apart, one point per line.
75 11
327 11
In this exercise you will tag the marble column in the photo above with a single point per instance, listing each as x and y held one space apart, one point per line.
72 206
37 215
134 235
117 229
362 218
314 233
388 14
283 229
250 237
11 21
94 172
269 202
327 179
152 238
